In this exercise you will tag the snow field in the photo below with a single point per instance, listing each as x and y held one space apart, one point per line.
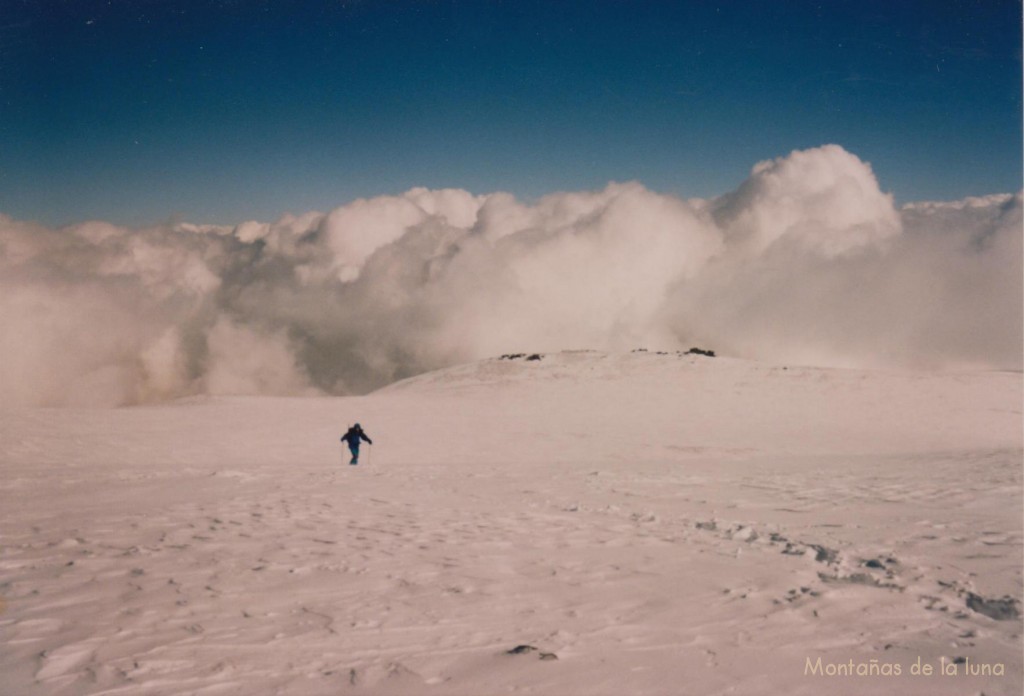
650 524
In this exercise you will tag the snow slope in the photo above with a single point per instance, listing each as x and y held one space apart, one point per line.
649 523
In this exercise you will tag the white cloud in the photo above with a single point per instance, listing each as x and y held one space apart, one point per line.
824 200
807 261
242 360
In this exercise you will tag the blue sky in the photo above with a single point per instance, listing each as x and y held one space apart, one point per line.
142 111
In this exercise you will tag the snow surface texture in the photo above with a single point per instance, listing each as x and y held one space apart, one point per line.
585 523
808 261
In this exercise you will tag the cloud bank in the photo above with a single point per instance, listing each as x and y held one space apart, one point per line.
807 261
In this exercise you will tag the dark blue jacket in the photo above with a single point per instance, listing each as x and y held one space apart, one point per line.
353 436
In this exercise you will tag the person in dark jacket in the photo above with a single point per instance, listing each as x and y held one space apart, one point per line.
352 437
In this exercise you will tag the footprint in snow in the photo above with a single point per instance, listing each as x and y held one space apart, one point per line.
526 649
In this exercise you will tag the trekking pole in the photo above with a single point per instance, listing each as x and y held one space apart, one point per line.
370 452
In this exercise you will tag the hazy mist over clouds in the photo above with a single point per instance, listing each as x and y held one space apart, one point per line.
808 261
